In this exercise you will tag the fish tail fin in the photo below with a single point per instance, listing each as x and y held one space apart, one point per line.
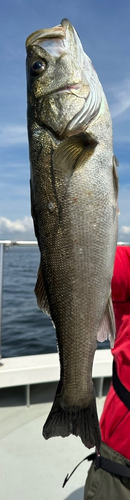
81 422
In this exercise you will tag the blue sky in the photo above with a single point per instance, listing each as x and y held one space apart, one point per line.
104 30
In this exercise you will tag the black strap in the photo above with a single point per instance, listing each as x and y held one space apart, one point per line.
120 389
105 464
111 466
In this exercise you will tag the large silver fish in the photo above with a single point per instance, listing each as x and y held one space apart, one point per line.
74 208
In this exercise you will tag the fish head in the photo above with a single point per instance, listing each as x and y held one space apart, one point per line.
64 93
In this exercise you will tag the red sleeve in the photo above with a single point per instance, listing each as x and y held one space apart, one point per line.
115 419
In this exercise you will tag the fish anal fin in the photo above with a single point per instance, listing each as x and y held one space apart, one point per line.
40 293
107 326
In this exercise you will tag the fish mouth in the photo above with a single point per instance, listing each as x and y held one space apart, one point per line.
53 40
76 89
37 37
70 88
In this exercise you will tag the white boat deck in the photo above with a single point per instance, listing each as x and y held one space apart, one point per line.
32 468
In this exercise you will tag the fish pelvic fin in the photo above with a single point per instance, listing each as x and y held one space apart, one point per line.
107 327
40 292
74 420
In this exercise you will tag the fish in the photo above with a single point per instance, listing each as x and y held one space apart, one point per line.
74 190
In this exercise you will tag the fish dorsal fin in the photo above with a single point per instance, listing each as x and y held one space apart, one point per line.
40 292
107 327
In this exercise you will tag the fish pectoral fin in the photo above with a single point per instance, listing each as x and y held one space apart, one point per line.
67 153
107 327
65 160
40 292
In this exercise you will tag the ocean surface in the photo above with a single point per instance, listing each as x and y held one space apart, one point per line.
25 328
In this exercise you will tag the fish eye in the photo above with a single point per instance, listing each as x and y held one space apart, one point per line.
37 67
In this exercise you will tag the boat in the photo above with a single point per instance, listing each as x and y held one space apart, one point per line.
31 467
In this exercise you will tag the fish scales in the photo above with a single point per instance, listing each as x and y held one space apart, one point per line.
74 191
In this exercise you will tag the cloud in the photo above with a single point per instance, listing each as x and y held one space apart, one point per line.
20 225
125 229
121 97
124 234
13 135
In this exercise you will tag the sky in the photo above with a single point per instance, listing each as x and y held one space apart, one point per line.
104 30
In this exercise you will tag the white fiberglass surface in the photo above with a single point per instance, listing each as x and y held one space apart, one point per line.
32 468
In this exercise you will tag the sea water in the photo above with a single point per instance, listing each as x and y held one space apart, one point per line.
25 328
